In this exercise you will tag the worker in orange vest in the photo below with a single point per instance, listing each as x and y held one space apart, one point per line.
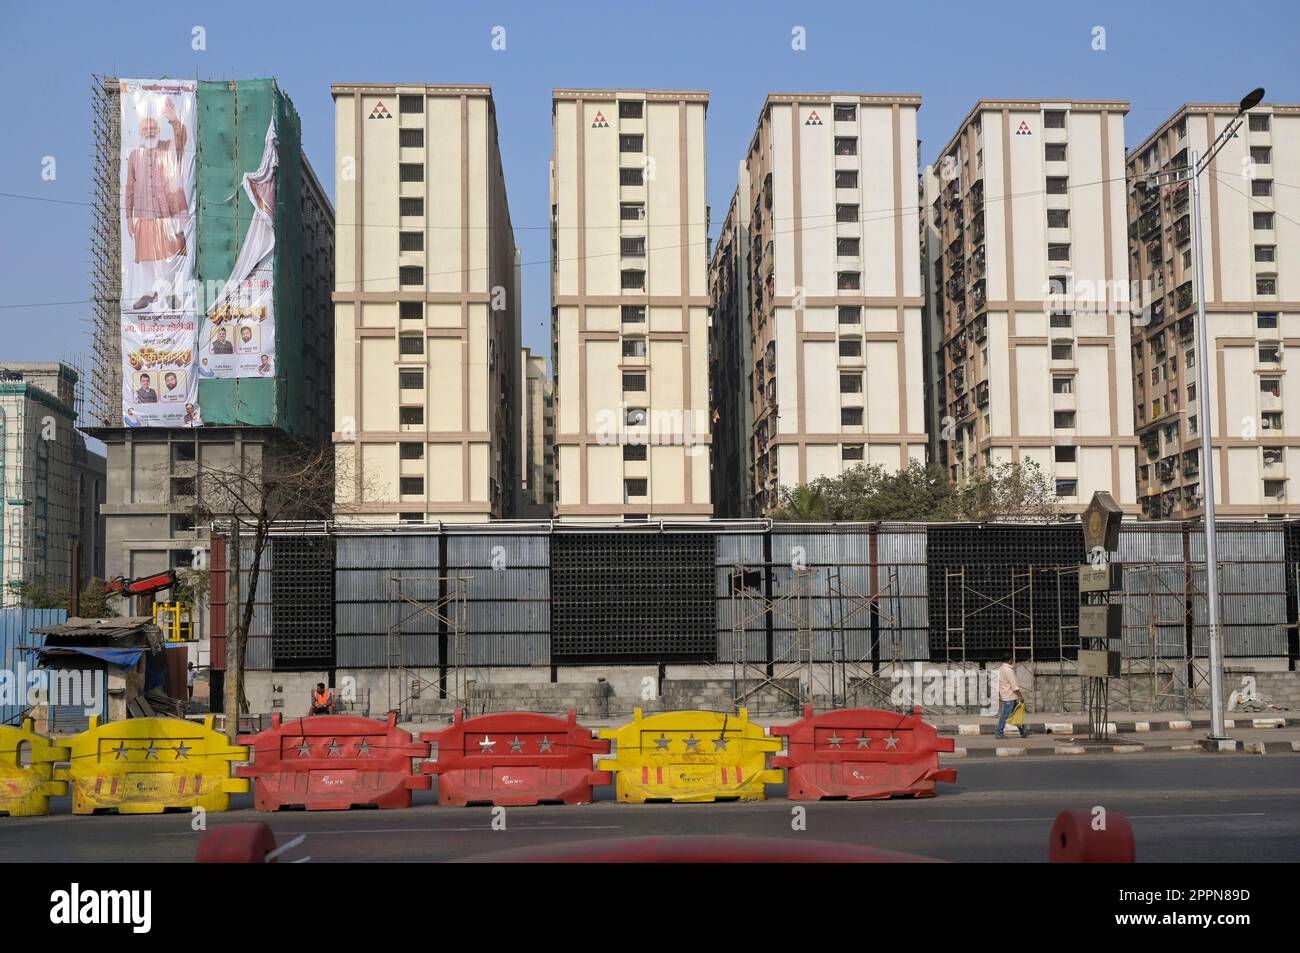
322 700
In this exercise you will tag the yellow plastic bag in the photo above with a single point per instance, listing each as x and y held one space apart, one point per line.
1017 717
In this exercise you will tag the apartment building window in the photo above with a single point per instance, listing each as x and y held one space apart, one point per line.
631 211
1061 319
410 344
1189 358
1266 320
1263 221
630 143
411 275
633 280
1261 187
631 177
412 207
1058 285
1259 122
633 313
635 417
412 486
848 280
1191 392
1058 251
632 246
846 112
853 452
182 487
634 347
410 310
1054 119
1062 351
630 109
411 451
412 172
850 383
634 487
412 138
1275 489
1270 386
410 380
1270 354
1062 385
1261 155
1191 426
1066 454
846 146
1054 152
1057 185
846 178
633 382
1155 375
1266 285
1266 253
846 213
850 347
412 241
1063 419
634 452
850 416
411 517
411 416
410 104
1058 218
1067 487
847 247
1271 420
850 315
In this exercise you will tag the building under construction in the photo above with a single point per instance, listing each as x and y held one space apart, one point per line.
248 173
549 615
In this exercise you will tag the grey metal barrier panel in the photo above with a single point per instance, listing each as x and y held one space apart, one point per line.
506 551
372 651
16 632
506 616
510 649
414 551
377 585
532 585
258 655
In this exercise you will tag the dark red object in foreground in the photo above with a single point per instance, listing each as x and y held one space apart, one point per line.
1075 839
236 844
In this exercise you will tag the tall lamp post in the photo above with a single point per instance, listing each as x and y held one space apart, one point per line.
1192 173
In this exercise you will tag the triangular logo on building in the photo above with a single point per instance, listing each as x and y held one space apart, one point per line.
813 119
1023 129
600 122
380 112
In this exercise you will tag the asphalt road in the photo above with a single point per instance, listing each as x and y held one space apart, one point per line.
1206 808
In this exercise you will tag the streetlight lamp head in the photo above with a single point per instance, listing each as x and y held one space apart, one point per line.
1252 99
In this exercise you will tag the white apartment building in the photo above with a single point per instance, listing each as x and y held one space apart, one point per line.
427 396
630 304
1035 357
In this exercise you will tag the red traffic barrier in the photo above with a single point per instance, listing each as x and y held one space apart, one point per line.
515 758
236 844
702 850
1079 837
332 763
861 753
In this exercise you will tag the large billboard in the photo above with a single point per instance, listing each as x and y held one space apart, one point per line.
159 299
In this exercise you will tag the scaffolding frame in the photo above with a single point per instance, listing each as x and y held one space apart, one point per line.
869 673
750 676
449 611
106 252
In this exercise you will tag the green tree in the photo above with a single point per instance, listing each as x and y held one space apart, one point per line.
44 593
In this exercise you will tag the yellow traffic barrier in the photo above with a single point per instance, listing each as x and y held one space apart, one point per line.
147 765
691 756
25 791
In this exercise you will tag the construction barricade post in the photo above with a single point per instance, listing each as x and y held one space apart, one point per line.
691 756
332 763
515 759
862 753
26 789
150 765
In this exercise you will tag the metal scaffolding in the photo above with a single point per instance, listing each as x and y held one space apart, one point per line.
406 602
106 252
749 676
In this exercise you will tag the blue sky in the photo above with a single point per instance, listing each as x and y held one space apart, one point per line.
1156 56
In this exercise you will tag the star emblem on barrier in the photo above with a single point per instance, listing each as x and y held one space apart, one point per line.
304 749
890 742
546 744
363 748
333 748
835 741
720 743
661 743
182 751
516 745
863 740
692 743
121 751
487 744
152 750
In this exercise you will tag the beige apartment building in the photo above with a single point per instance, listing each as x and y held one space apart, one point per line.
630 304
537 430
820 243
1250 223
426 307
1035 360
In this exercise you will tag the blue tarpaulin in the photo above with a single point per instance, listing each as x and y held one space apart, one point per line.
123 658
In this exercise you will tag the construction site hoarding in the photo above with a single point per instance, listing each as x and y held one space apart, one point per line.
159 297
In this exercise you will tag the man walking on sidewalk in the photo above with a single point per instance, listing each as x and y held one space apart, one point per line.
1009 696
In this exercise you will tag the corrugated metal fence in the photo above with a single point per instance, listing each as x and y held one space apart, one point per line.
15 631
